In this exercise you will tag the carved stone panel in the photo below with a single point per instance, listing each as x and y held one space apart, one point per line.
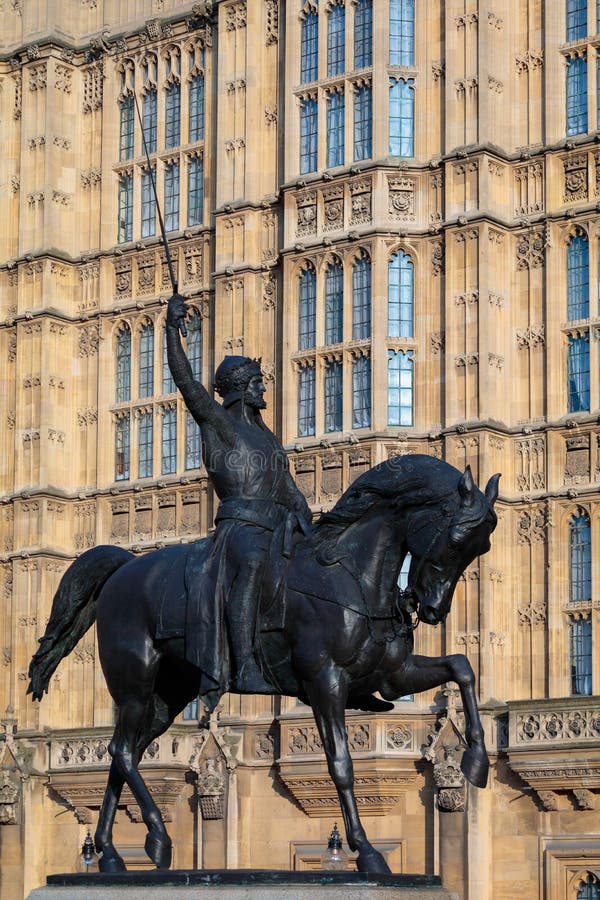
577 462
360 201
576 177
307 213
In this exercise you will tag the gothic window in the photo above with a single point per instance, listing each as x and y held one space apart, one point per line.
196 108
577 122
402 32
195 190
168 385
149 119
334 303
578 366
122 447
363 128
335 129
145 442
172 115
400 295
172 196
194 344
363 34
148 204
123 365
402 117
578 278
580 558
308 135
336 40
126 128
169 441
146 360
580 654
361 392
576 19
307 302
309 47
306 401
333 396
125 207
400 387
589 887
193 446
361 298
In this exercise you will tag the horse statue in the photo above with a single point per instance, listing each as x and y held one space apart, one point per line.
345 629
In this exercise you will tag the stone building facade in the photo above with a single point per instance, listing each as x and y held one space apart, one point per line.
396 206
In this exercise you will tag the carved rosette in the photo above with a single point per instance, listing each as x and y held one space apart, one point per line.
576 177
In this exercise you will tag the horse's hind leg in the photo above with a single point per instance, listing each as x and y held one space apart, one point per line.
109 861
133 734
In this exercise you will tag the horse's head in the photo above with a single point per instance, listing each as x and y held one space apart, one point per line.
442 547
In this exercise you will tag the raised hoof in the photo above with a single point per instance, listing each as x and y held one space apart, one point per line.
475 768
371 860
110 863
159 849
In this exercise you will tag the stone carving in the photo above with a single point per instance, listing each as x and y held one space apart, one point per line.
272 22
532 59
531 337
307 213
437 258
549 800
531 464
264 745
401 193
123 277
211 788
576 177
531 248
63 77
360 201
438 342
235 16
532 526
17 106
399 737
91 178
565 725
584 798
89 339
38 77
10 794
529 188
93 87
333 209
193 262
577 462
146 273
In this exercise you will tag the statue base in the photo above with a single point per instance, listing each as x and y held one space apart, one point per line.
242 884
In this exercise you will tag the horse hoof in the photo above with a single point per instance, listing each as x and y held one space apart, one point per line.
159 849
110 863
372 861
475 768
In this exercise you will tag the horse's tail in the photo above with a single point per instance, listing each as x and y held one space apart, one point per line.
73 611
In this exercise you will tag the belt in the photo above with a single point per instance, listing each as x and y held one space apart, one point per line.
267 514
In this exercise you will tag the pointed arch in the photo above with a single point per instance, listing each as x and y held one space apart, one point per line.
400 295
123 363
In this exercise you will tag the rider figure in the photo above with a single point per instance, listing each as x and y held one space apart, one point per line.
249 470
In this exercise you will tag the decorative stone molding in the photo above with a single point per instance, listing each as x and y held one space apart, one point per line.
531 247
38 77
401 194
532 525
443 747
235 16
576 177
272 22
531 337
533 59
437 258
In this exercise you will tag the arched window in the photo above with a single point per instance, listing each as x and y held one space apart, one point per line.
308 135
589 887
126 128
168 384
196 111
402 117
122 446
148 203
400 295
333 396
169 441
307 301
400 387
309 47
578 278
402 32
146 361
149 118
334 303
306 401
361 392
363 34
171 196
576 23
577 121
336 105
361 298
125 207
578 373
580 557
123 364
145 443
172 115
336 40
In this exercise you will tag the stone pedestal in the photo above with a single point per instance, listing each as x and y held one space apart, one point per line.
242 885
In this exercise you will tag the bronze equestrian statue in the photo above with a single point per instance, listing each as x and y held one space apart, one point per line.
332 629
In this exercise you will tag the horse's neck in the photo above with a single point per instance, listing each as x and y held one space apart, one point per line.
377 549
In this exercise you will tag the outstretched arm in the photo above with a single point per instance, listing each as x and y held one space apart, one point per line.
197 399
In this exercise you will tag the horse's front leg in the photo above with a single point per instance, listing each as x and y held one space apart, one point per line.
328 695
426 672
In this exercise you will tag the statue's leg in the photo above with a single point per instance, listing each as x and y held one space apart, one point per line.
421 673
110 860
327 695
133 734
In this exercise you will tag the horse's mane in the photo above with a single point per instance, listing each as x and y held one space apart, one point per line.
412 481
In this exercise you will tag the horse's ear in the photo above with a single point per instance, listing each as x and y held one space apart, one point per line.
491 489
466 487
